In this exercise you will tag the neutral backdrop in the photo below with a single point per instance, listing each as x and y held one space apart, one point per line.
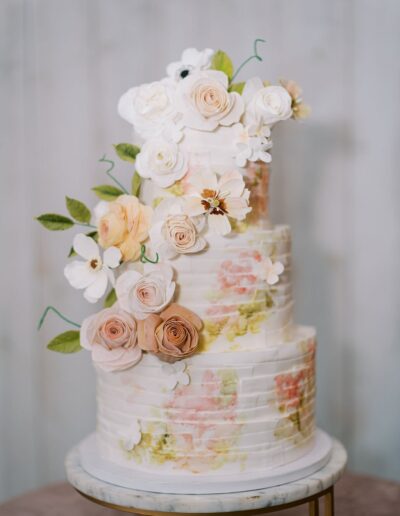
64 64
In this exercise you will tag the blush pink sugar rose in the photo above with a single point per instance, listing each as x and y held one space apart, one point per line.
111 335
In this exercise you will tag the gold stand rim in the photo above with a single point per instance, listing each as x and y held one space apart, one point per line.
312 501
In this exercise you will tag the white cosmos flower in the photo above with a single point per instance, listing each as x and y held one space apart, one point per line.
218 199
162 161
147 293
133 436
94 273
252 143
174 232
271 271
175 374
191 60
150 108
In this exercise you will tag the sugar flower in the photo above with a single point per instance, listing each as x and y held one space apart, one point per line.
266 104
133 436
162 161
300 110
218 199
252 143
125 224
149 107
111 336
271 271
175 374
204 102
174 232
147 293
173 335
94 272
192 60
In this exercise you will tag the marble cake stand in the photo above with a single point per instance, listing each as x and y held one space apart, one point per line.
308 490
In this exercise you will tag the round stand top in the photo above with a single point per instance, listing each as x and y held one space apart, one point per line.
149 502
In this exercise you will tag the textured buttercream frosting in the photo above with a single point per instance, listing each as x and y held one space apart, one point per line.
245 399
251 397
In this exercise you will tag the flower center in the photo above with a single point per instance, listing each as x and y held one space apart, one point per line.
95 264
212 203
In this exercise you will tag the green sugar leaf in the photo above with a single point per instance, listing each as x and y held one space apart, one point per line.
136 182
67 342
237 87
55 222
126 151
222 62
107 192
110 299
92 234
78 210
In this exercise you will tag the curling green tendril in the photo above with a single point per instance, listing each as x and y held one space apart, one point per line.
143 257
254 56
104 159
41 321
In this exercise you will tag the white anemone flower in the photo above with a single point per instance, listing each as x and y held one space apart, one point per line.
272 271
218 199
94 272
191 60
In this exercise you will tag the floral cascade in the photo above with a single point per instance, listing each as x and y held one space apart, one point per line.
127 253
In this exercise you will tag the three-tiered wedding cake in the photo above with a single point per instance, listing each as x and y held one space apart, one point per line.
201 370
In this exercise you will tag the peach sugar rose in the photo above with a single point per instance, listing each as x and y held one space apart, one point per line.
172 335
125 225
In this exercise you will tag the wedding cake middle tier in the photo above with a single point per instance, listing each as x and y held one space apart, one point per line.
227 288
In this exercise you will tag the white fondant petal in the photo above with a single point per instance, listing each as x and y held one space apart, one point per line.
278 268
193 206
219 224
85 246
79 274
98 288
112 257
272 278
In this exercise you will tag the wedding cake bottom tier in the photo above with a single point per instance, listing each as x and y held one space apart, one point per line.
212 413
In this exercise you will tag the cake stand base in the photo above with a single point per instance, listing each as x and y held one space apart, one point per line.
308 490
315 457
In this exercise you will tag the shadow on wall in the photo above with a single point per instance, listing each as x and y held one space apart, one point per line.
311 190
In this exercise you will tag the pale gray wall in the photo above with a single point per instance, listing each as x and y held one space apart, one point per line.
64 64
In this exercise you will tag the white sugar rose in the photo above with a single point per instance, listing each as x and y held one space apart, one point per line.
147 293
162 161
204 101
149 107
174 232
268 104
191 60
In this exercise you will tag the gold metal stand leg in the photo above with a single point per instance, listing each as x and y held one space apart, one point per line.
329 504
313 507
